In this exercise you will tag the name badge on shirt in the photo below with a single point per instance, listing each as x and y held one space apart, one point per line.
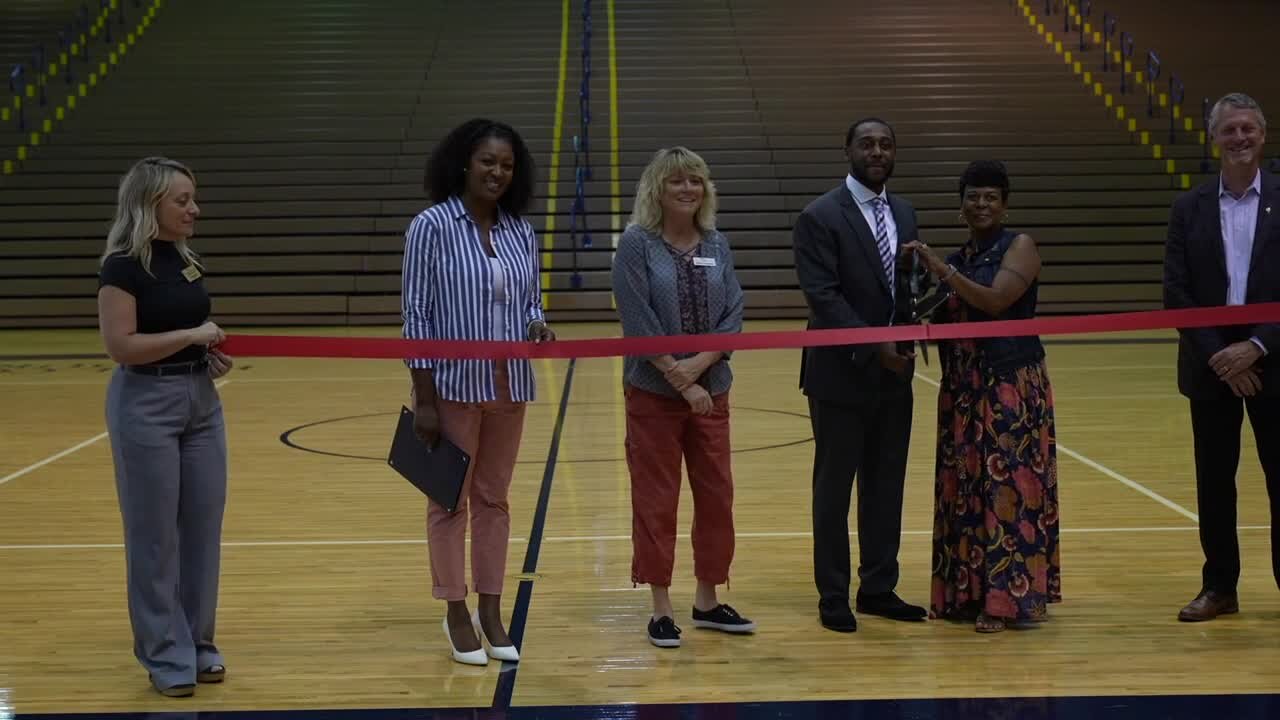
191 273
704 262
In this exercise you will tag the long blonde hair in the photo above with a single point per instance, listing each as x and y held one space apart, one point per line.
135 224
647 209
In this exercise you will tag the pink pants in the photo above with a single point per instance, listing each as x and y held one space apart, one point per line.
660 432
490 433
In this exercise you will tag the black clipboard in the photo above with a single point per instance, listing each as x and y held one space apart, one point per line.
439 473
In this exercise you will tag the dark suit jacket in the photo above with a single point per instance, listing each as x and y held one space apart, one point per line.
1195 275
838 265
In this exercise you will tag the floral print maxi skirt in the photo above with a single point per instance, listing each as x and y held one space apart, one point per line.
995 527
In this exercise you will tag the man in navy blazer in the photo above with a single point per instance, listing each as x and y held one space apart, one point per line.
1223 249
846 245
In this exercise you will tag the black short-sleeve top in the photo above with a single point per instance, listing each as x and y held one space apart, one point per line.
167 298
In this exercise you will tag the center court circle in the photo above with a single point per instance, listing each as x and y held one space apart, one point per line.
368 436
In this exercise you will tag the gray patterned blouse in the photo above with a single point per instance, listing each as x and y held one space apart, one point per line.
647 287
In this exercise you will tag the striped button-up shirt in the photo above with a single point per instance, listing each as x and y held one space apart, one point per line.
447 294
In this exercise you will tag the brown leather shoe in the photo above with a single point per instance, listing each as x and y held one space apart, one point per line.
1208 605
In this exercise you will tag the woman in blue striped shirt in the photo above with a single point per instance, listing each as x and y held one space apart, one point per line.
471 273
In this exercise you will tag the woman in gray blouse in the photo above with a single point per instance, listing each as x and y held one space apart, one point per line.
673 275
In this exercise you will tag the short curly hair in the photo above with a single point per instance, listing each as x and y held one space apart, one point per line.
986 173
445 176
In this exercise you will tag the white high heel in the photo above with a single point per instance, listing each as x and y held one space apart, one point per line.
507 653
473 657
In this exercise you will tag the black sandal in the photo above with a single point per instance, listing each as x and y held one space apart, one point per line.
989 624
212 674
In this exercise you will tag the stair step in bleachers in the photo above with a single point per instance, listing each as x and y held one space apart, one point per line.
309 123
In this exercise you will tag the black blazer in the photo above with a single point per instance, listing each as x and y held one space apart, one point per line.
1195 275
839 269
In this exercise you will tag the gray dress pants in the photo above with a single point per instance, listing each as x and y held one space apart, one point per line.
169 445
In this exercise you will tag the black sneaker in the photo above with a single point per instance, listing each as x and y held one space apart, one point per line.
664 633
722 617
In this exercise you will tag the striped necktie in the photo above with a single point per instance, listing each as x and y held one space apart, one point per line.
882 240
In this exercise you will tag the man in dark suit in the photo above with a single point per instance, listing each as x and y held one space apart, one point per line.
1223 249
846 246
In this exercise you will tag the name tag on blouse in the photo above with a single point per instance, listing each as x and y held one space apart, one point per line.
704 262
191 273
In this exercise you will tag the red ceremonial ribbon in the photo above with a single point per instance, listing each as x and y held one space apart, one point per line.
399 348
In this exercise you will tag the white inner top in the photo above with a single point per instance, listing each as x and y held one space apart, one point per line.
499 299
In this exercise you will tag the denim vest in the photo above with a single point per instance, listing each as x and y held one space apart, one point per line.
1001 354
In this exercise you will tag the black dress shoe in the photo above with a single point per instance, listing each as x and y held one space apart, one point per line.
1208 605
891 606
836 615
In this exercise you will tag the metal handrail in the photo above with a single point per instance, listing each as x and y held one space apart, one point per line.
36 77
1118 49
18 86
1086 9
1152 74
1177 93
1109 27
1205 164
1126 52
579 232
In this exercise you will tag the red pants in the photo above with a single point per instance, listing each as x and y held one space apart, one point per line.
490 432
660 430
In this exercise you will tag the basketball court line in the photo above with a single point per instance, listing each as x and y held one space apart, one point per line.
505 688
583 371
404 378
52 458
797 534
102 382
74 448
1089 462
1132 484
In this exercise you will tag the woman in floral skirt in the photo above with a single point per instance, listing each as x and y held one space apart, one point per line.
995 530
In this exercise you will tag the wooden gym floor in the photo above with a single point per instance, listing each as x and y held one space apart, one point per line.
325 599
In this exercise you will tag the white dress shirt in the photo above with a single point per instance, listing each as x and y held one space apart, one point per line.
863 197
1239 217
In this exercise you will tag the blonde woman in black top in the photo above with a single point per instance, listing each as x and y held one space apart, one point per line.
164 419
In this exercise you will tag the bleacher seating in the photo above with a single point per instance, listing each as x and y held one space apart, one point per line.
308 124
